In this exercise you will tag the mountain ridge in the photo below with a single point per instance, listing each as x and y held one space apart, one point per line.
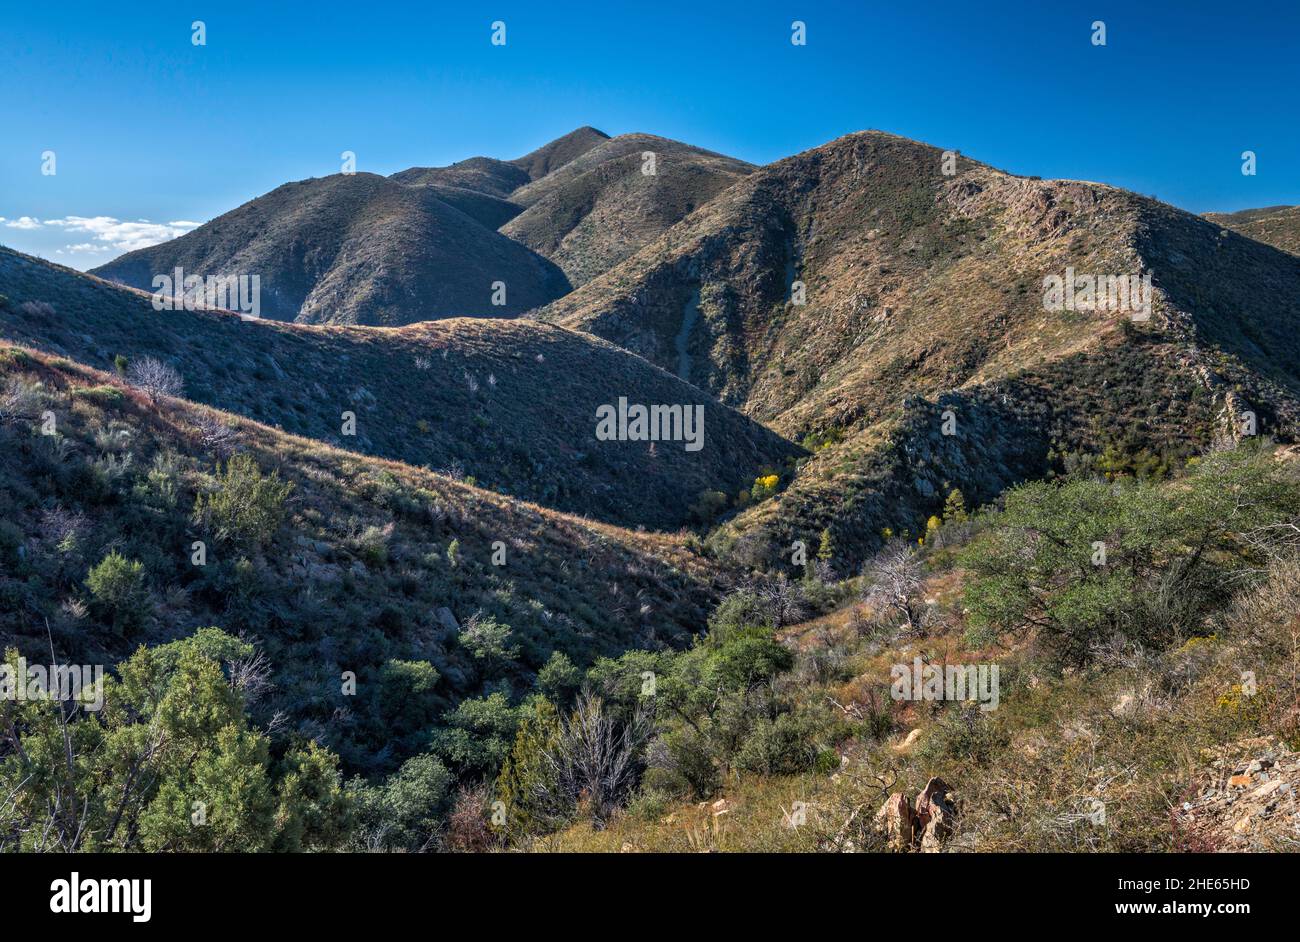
1278 226
355 248
509 402
921 284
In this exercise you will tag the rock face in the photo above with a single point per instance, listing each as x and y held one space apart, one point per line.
1247 801
925 826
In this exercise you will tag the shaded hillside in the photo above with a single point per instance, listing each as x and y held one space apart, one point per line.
481 174
599 208
489 211
1231 294
423 244
510 403
914 281
921 284
1278 226
363 562
358 249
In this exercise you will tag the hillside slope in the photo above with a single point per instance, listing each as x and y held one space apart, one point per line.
487 175
597 209
499 178
510 403
365 557
560 151
920 285
1278 226
359 249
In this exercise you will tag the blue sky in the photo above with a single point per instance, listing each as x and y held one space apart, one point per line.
150 130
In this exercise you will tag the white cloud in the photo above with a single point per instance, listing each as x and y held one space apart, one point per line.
24 222
88 247
122 236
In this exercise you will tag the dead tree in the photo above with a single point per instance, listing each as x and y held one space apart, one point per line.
154 378
893 586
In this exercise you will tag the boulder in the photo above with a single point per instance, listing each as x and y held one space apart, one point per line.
447 620
894 820
939 828
910 741
935 817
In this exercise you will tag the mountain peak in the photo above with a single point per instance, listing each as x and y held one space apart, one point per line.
557 153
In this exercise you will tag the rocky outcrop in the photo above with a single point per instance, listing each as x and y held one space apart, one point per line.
935 818
894 820
924 826
1246 802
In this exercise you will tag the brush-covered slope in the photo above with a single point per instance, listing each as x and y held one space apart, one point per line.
920 285
363 563
490 211
1279 226
510 403
560 151
600 207
499 178
357 249
482 174
912 280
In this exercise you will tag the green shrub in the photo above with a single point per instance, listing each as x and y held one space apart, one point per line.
11 542
649 804
117 589
784 746
744 661
372 545
406 812
739 611
172 748
527 784
158 488
559 679
708 506
1085 561
100 395
248 506
682 763
489 642
963 733
478 735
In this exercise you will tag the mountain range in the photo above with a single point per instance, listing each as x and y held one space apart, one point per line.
838 302
879 334
827 309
